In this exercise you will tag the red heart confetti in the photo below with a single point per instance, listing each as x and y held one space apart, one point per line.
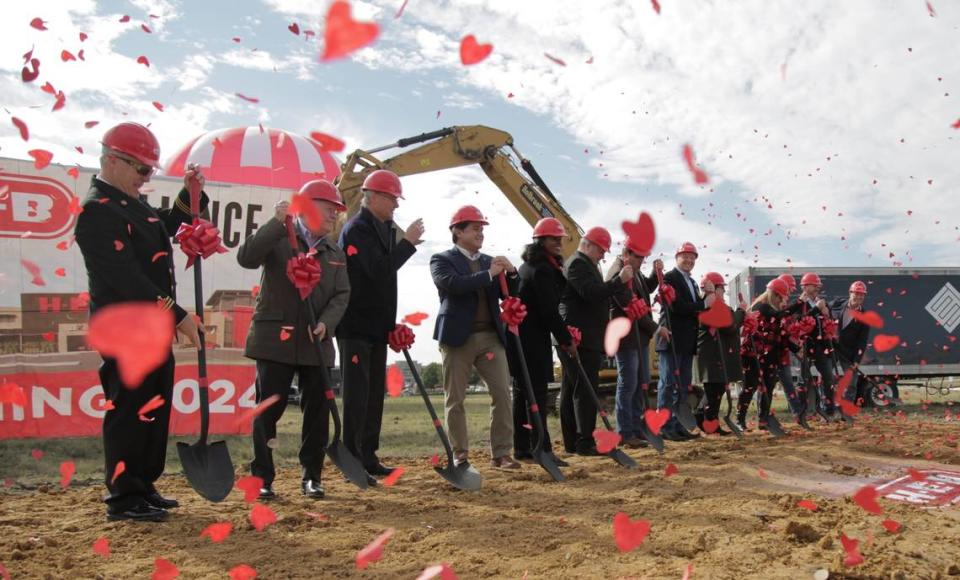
395 380
164 569
22 127
656 419
343 34
101 547
671 469
250 484
284 335
60 101
718 315
74 173
34 271
555 59
66 55
36 454
435 459
48 88
891 526
302 205
807 505
152 405
489 356
158 105
616 329
915 475
218 532
328 142
374 550
391 480
13 393
242 572
441 571
118 245
641 234
261 516
699 175
851 547
866 497
627 534
931 11
38 23
472 52
248 415
137 334
61 272
607 441
30 74
355 359
91 124
351 250
415 318
67 469
762 474
294 28
146 29
158 255
656 6
124 18
118 470
885 342
41 157
246 98
870 318
400 11
711 425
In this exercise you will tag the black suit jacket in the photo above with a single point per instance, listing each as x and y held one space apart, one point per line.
541 285
852 342
642 286
683 315
585 302
123 241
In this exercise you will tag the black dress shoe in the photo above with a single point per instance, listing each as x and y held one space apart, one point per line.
723 432
267 492
523 456
142 512
164 503
313 489
588 452
380 469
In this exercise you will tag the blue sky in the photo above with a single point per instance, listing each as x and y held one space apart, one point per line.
797 105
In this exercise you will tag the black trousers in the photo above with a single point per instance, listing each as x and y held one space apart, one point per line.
578 412
524 439
759 375
709 408
823 389
364 386
274 378
141 445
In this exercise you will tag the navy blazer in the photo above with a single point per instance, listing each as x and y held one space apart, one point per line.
684 315
457 287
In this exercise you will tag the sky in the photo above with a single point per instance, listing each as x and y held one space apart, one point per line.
825 127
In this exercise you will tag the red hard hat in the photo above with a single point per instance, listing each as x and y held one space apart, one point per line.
549 228
383 181
322 189
467 213
790 280
632 245
598 236
686 247
858 287
134 140
714 277
810 278
778 286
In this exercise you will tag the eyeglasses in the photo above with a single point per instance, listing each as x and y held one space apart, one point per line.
143 170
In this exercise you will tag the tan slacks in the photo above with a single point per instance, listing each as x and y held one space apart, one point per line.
485 352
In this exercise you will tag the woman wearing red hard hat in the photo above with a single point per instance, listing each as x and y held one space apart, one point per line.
718 358
796 397
762 350
853 335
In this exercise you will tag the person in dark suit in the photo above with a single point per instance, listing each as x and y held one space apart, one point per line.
280 308
471 334
127 252
585 304
375 249
854 335
633 358
817 348
676 375
541 284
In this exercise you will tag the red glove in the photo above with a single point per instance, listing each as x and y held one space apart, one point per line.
666 293
637 308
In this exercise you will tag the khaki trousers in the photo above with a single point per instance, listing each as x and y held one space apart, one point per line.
485 352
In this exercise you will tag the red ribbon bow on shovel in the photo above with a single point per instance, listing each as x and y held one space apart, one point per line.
575 335
400 338
303 270
830 328
637 308
199 238
751 323
512 310
801 328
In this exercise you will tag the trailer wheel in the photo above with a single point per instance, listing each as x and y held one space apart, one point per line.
881 394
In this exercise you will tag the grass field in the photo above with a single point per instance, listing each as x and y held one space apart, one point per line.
407 432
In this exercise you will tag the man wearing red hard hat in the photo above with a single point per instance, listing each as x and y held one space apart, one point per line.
676 355
817 347
854 335
376 248
585 304
471 334
127 252
280 307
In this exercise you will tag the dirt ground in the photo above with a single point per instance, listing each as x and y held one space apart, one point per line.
730 511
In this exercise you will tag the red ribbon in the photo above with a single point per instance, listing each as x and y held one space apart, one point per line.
400 338
831 329
666 293
575 335
304 272
801 328
751 322
200 238
512 313
637 308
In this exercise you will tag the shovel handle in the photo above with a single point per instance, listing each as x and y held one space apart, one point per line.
504 289
437 424
291 234
193 188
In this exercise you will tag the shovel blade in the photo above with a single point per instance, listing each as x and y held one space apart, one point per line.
685 416
773 425
463 476
734 428
208 468
622 458
655 441
348 464
548 463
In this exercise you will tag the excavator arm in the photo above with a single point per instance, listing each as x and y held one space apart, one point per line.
458 146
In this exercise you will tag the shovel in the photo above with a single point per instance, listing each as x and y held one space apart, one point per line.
773 424
463 476
836 377
346 462
616 453
684 414
207 466
543 455
731 424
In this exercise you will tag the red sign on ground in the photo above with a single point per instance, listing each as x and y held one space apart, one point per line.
938 488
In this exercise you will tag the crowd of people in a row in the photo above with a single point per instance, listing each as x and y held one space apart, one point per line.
353 298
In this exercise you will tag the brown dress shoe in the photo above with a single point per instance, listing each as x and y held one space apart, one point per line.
505 462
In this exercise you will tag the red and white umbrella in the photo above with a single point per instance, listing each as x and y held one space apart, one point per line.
256 156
